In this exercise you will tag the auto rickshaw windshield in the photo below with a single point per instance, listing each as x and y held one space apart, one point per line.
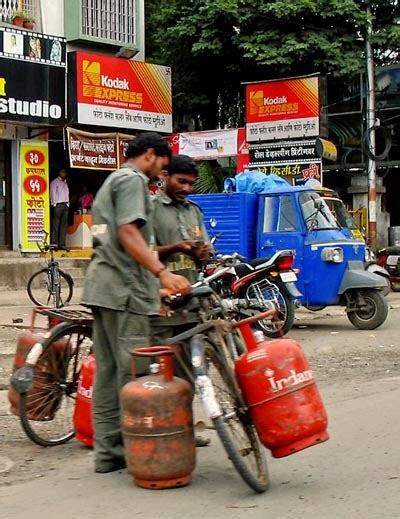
341 213
316 213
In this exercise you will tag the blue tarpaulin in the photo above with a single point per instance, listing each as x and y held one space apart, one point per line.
253 182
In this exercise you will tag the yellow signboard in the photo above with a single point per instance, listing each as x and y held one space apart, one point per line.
35 204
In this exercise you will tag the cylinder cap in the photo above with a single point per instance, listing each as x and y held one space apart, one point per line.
154 368
259 336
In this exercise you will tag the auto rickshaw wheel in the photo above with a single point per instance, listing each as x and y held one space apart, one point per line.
372 313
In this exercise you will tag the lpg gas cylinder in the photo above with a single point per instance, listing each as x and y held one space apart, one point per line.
280 390
44 371
25 342
157 424
83 406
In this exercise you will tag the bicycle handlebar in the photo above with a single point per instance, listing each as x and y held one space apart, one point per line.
254 318
44 245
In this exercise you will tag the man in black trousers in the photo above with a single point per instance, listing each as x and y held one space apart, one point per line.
59 198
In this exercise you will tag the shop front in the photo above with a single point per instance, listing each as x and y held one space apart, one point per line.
32 104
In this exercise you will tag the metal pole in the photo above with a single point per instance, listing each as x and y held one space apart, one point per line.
371 121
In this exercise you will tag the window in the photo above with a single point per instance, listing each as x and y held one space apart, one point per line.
316 213
279 214
30 7
112 20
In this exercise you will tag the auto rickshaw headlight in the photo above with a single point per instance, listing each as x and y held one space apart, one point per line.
334 254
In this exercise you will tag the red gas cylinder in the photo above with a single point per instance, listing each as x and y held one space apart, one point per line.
83 406
157 424
43 371
280 390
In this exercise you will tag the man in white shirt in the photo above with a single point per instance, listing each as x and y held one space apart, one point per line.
59 198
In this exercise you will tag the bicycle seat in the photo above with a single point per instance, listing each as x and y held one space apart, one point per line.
50 247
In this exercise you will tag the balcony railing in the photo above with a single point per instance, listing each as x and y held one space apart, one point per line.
30 7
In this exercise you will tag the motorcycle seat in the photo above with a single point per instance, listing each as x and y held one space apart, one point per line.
242 269
258 262
393 250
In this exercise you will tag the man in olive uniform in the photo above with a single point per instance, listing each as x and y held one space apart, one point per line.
181 238
121 285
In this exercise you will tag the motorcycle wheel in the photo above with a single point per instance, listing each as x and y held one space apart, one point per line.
373 314
272 295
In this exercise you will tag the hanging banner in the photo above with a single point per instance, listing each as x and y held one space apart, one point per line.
209 145
283 109
35 203
119 93
103 151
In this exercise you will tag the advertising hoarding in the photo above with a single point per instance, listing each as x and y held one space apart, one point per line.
32 92
32 46
120 93
35 202
282 109
282 153
96 151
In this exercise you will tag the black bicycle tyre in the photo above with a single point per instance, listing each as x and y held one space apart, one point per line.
62 386
67 278
258 482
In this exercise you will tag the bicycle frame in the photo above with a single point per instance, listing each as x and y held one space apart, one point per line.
224 345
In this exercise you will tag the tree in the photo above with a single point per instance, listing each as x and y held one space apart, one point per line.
214 45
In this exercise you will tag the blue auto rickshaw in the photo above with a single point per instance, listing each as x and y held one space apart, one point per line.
330 261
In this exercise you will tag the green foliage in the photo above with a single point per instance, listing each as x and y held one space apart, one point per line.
211 177
215 45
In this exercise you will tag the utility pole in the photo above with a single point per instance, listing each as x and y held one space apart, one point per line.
371 122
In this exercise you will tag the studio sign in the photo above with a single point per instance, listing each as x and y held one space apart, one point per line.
39 108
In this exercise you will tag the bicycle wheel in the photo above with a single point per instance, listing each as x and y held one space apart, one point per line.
42 292
234 428
66 289
46 411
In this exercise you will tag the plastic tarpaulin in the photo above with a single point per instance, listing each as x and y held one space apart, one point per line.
253 182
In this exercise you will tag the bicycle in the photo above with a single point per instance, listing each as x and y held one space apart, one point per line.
207 355
211 349
50 283
48 382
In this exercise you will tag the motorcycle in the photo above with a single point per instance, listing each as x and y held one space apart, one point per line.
264 283
372 264
389 259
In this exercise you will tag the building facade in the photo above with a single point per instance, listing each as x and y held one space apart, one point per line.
34 96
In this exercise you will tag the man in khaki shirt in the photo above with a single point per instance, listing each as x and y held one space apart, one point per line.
181 241
180 236
122 285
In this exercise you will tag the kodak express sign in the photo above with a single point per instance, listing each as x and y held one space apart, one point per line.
120 93
283 109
